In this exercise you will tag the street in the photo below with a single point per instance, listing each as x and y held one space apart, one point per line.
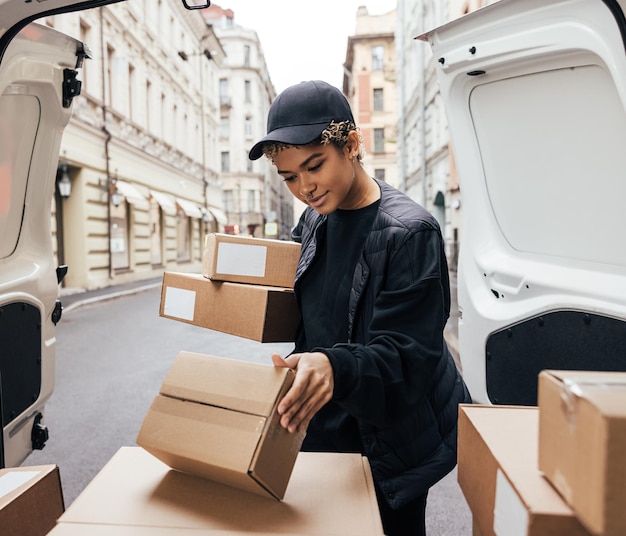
112 357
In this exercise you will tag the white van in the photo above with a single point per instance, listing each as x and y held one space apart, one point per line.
39 70
535 93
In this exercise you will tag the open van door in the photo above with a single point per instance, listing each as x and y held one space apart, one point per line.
535 93
39 78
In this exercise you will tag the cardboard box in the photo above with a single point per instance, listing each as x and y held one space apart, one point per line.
257 312
329 494
256 261
498 474
31 500
217 418
582 440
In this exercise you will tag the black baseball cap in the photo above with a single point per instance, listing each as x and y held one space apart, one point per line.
301 112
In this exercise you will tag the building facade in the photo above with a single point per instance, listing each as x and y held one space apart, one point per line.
140 152
369 83
255 200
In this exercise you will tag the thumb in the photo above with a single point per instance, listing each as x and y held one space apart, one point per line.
280 362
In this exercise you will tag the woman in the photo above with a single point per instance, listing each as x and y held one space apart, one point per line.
373 372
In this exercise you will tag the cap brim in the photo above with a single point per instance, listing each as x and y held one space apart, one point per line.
291 135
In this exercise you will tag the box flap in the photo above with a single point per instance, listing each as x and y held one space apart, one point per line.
227 383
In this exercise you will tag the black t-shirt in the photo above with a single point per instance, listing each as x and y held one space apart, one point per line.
325 293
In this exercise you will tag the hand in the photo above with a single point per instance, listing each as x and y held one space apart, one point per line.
312 388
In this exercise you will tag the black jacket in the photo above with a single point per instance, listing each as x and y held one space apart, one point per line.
395 374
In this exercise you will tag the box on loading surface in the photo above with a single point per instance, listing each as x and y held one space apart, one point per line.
329 494
499 477
31 500
582 441
216 418
242 259
257 312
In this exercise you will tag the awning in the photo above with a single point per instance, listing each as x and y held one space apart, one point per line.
219 214
165 201
190 209
131 194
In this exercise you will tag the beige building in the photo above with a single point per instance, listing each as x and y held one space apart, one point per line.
370 84
140 152
255 200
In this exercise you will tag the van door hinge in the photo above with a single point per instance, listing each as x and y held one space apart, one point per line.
71 86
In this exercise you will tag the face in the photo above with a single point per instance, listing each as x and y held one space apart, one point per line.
321 176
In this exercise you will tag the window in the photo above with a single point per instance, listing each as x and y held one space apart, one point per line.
378 60
148 104
131 89
246 55
250 200
224 126
377 98
120 256
156 235
224 96
379 140
247 90
225 161
379 174
183 236
229 201
247 128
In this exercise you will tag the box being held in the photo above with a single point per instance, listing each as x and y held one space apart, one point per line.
216 418
499 477
257 312
31 500
582 440
257 261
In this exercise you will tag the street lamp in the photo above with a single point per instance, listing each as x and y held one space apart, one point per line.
64 185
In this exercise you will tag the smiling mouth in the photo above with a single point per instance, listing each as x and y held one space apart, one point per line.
314 200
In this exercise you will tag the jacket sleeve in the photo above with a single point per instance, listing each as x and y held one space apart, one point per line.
404 318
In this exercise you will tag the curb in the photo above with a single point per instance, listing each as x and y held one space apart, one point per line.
107 296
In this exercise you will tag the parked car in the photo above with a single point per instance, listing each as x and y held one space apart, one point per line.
535 93
39 79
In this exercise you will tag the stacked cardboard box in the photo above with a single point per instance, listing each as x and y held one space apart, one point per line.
499 476
554 469
582 439
135 495
245 289
31 500
215 417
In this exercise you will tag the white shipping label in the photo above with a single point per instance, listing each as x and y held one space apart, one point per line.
179 303
11 481
510 517
241 259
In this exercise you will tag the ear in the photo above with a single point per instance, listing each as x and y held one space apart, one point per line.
352 144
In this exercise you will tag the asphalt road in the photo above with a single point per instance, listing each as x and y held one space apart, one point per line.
112 356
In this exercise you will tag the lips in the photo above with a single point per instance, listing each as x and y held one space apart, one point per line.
316 200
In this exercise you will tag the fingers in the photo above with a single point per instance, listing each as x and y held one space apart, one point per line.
311 390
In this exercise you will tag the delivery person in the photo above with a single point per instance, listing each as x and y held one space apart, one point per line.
373 372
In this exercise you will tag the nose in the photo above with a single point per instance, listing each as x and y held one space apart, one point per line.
307 190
